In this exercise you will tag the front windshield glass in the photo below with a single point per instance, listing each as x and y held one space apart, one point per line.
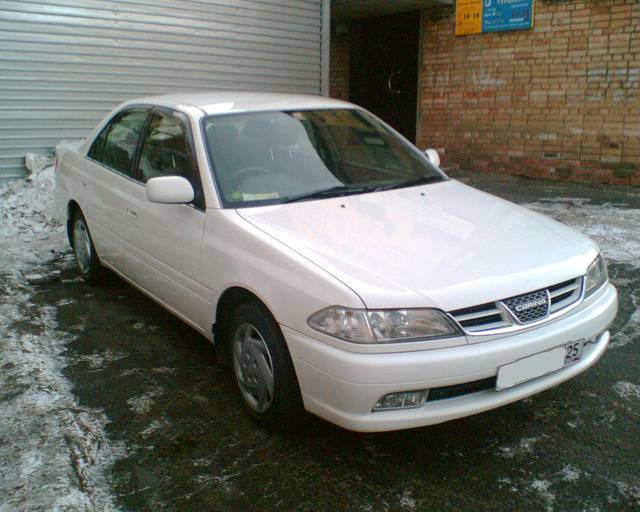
264 158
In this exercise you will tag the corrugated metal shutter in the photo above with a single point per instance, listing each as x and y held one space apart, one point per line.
65 63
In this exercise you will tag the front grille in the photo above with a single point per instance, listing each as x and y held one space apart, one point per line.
513 312
529 307
480 318
564 294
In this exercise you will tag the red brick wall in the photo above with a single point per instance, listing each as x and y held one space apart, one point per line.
339 66
559 101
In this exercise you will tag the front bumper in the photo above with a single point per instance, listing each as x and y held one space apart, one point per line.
342 386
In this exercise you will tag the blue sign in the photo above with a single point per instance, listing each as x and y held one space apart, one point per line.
498 15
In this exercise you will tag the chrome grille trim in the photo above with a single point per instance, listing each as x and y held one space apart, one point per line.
479 314
565 294
499 316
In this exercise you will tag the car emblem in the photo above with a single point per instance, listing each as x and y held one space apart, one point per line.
531 304
529 307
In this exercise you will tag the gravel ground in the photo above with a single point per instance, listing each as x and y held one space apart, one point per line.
107 401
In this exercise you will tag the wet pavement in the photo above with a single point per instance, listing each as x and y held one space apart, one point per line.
185 443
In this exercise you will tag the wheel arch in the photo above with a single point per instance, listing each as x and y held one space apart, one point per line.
72 208
230 299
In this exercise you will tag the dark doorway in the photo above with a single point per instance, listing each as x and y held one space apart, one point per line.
384 68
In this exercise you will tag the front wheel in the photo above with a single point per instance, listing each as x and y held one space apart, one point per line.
85 252
263 369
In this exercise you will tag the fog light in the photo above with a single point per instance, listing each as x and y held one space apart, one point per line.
402 400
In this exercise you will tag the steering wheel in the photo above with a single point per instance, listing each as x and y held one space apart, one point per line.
242 174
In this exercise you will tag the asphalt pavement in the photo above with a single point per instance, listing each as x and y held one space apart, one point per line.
183 442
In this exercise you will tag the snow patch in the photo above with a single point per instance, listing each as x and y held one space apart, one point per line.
407 502
542 488
629 492
627 390
100 359
29 231
54 451
142 404
36 163
570 474
614 228
139 326
524 446
144 327
630 330
164 370
153 427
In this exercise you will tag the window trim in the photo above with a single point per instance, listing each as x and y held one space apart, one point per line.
107 126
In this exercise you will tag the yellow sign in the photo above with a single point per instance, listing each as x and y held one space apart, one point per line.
479 16
468 17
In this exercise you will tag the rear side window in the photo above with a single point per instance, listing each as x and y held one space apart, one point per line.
115 147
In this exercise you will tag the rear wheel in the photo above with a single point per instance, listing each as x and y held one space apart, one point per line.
263 369
84 250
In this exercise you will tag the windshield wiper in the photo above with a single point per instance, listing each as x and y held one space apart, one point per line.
345 190
337 191
411 182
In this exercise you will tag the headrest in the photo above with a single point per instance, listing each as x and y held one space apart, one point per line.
283 133
222 134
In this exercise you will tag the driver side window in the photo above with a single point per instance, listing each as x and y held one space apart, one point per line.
167 151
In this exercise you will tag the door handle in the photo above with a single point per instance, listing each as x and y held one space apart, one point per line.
132 213
392 89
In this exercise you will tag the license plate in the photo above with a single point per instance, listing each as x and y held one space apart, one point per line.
538 365
573 352
530 367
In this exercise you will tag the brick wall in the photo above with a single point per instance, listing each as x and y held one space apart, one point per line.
339 66
559 101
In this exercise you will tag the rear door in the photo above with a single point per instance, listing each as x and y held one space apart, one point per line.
168 237
108 189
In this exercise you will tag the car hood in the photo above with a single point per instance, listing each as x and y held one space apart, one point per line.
442 245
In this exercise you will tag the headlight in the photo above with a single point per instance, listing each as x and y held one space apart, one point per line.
596 276
382 326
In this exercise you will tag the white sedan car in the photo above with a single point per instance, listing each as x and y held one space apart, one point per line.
332 264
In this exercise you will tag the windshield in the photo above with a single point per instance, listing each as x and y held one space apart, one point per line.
264 158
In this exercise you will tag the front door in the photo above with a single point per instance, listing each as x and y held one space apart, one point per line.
168 237
384 68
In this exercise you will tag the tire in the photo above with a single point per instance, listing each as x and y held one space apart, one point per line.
263 369
84 251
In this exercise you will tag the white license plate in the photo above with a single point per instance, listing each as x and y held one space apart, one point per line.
538 365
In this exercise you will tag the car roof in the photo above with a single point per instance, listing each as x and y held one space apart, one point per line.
228 102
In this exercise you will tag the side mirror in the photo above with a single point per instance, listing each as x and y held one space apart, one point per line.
169 190
433 156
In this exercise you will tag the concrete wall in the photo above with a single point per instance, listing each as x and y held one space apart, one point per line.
559 101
